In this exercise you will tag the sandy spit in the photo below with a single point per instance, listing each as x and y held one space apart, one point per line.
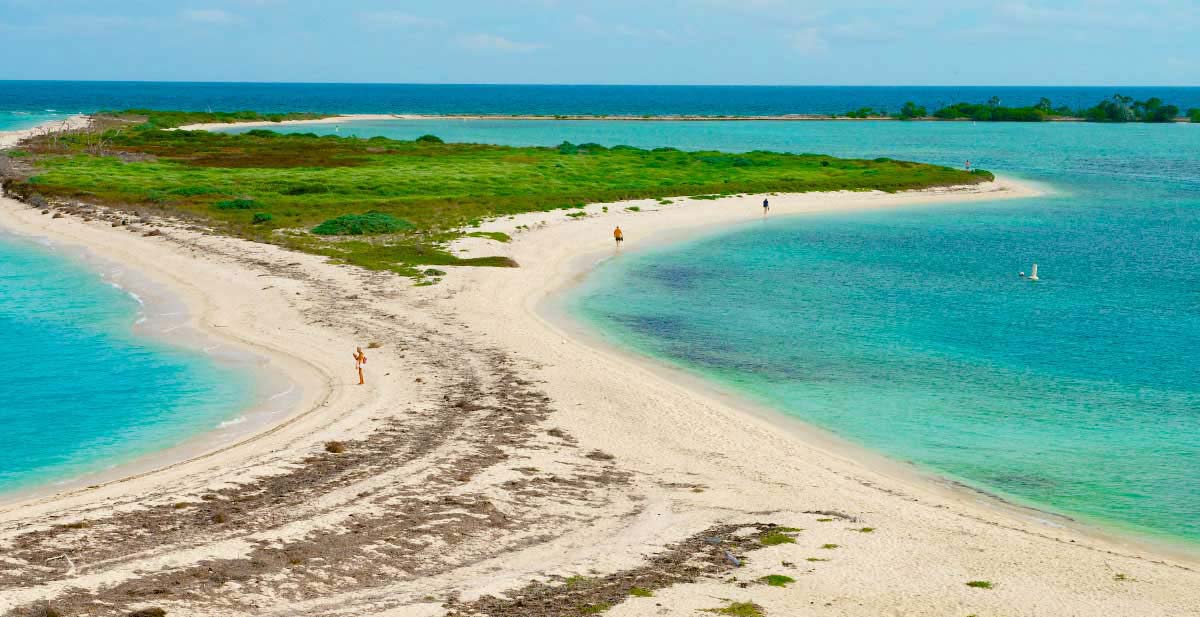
497 443
12 138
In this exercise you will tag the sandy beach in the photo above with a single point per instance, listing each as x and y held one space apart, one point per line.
499 449
11 138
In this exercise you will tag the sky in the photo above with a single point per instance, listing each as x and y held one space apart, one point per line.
785 42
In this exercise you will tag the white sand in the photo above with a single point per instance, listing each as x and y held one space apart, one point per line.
697 457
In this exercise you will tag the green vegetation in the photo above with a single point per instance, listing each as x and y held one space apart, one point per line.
911 110
498 236
369 224
824 520
594 609
866 112
224 204
394 205
1118 108
829 546
159 119
1194 114
866 530
1125 109
739 609
773 538
641 592
980 584
815 559
777 580
992 111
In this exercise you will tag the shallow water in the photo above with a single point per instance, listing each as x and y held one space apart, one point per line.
83 385
910 332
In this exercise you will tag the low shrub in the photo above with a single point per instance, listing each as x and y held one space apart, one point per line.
361 225
235 204
335 447
262 217
430 139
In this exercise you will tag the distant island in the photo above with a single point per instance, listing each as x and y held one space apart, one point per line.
1116 109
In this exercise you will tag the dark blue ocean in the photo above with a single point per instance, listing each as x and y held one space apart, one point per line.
23 102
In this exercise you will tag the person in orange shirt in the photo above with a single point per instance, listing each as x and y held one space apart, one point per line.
618 235
360 360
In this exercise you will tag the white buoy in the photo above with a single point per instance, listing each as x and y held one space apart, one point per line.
1033 273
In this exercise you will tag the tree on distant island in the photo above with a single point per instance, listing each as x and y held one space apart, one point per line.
912 110
1121 108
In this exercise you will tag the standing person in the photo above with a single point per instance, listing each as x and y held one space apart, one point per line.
766 207
968 165
360 361
618 235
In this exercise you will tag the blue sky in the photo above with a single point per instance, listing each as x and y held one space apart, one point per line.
964 42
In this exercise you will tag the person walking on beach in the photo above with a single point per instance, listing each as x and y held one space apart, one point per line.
360 360
766 207
619 236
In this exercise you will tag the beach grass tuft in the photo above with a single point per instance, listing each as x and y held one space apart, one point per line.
777 580
641 592
980 584
335 447
739 609
775 538
830 546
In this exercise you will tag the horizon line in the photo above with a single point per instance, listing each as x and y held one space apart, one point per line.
598 85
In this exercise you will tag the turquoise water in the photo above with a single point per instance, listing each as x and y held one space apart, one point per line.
20 120
910 332
81 387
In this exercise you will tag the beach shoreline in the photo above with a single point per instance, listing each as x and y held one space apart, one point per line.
171 319
9 139
646 459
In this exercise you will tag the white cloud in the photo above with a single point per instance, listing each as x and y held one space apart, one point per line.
208 16
809 42
492 42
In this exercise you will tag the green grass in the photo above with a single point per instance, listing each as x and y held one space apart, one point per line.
174 119
641 592
498 236
739 609
980 584
777 580
830 546
595 609
866 530
369 224
774 538
815 559
437 190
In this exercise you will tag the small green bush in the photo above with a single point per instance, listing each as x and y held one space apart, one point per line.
367 224
430 139
262 217
235 204
980 584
